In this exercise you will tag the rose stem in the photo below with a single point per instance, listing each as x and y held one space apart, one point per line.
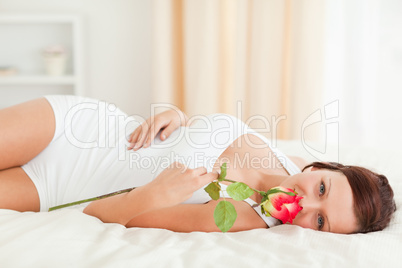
90 199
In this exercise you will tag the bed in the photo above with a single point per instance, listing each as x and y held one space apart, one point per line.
69 238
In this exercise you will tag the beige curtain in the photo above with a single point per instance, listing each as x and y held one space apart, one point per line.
254 59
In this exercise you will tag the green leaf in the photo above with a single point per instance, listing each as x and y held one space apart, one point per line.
239 191
223 172
274 191
213 190
225 215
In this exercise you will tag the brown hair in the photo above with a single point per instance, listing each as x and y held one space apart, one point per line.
373 196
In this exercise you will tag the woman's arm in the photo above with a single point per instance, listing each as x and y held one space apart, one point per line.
171 187
197 217
168 121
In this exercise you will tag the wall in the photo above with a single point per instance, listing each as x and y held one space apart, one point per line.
117 49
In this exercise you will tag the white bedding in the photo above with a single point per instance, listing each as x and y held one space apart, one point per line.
69 238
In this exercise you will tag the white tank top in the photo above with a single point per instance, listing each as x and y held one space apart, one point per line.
88 154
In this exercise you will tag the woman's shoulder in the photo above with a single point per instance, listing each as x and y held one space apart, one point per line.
298 161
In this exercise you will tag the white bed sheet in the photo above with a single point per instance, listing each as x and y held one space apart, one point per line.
69 238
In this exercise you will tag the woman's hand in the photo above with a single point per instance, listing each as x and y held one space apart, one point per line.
171 187
176 184
144 134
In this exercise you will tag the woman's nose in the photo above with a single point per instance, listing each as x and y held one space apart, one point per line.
308 204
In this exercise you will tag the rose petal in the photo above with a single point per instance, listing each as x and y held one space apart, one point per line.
282 206
282 215
279 199
293 209
284 189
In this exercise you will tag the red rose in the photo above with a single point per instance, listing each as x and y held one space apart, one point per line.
282 206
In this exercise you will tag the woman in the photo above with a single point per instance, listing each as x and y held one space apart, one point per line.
60 149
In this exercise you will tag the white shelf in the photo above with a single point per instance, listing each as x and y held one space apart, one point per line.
23 19
23 38
38 80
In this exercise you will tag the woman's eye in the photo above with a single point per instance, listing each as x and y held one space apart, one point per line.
320 222
322 188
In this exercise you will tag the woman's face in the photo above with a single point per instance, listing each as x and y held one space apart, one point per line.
327 201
